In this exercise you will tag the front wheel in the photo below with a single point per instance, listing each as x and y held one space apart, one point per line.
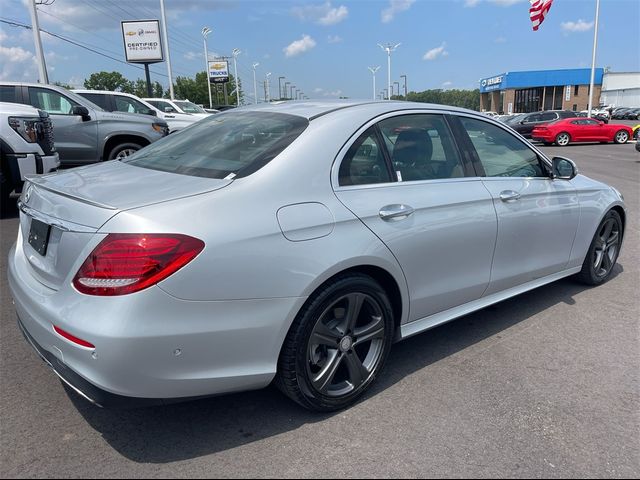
621 136
603 251
563 139
337 345
123 150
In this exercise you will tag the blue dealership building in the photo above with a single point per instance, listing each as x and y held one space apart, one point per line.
524 92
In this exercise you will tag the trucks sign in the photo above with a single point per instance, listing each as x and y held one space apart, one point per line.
142 41
218 71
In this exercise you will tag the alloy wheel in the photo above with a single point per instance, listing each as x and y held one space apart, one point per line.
125 153
607 247
622 137
563 139
346 345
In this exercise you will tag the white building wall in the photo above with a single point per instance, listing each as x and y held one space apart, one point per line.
621 89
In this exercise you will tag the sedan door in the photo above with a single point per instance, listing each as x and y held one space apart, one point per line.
76 139
405 179
537 216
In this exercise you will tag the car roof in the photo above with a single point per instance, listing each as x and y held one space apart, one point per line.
312 109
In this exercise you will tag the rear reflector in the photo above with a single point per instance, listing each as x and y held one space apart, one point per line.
127 263
71 338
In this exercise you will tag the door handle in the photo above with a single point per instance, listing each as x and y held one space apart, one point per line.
509 196
396 210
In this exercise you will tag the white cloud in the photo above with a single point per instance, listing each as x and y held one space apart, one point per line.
500 40
436 52
17 63
305 44
471 3
336 93
395 7
318 90
579 26
324 14
192 55
334 39
447 84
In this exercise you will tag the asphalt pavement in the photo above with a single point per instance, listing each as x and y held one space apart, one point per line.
545 385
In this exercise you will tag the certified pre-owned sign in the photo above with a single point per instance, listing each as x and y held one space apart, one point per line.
142 41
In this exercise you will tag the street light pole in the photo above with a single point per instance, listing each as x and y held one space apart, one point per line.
285 90
280 87
267 97
35 27
397 84
205 33
405 86
236 52
373 70
255 84
165 37
291 87
389 48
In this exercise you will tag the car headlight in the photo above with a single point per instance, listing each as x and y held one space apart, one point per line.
26 127
162 128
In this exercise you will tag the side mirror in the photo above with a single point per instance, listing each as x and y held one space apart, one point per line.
169 109
81 111
153 113
563 168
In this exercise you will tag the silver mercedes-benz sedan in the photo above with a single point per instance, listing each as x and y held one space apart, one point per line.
293 243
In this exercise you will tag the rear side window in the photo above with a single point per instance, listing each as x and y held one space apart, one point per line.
129 105
8 94
421 147
234 144
364 163
548 116
100 100
50 101
502 154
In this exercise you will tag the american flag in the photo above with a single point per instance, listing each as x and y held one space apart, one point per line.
538 10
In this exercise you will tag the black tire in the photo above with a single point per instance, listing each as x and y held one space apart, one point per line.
603 251
621 136
123 149
326 316
563 139
5 192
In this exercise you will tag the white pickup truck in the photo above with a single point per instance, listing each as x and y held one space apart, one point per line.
26 146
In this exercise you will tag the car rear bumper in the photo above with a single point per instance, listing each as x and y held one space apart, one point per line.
150 348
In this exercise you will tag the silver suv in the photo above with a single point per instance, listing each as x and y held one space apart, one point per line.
85 133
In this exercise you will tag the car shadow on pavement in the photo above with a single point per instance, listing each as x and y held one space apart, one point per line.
190 430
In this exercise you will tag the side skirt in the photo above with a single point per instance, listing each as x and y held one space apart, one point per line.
409 329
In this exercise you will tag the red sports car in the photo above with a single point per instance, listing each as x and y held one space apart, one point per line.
570 130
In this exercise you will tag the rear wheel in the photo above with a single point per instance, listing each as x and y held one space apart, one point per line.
123 150
563 139
622 136
604 250
337 345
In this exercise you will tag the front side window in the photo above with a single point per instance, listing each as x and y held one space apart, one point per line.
364 163
189 107
500 153
8 93
50 101
421 147
98 99
129 105
229 145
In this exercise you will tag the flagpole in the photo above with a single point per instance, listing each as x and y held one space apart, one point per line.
593 60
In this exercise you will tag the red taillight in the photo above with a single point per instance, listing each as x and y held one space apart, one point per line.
71 338
126 263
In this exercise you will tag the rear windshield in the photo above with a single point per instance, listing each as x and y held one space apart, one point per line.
233 144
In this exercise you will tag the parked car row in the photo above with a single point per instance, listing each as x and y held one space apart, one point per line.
90 126
622 113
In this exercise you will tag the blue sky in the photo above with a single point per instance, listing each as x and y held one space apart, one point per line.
325 47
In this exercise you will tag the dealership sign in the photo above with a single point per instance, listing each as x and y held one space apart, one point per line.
142 41
493 83
218 71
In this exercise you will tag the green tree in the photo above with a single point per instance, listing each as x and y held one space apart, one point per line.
139 89
63 85
196 90
456 98
112 81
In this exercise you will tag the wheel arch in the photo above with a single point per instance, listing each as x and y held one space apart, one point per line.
118 139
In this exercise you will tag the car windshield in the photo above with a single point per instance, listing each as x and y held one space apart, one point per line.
228 145
189 107
514 119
